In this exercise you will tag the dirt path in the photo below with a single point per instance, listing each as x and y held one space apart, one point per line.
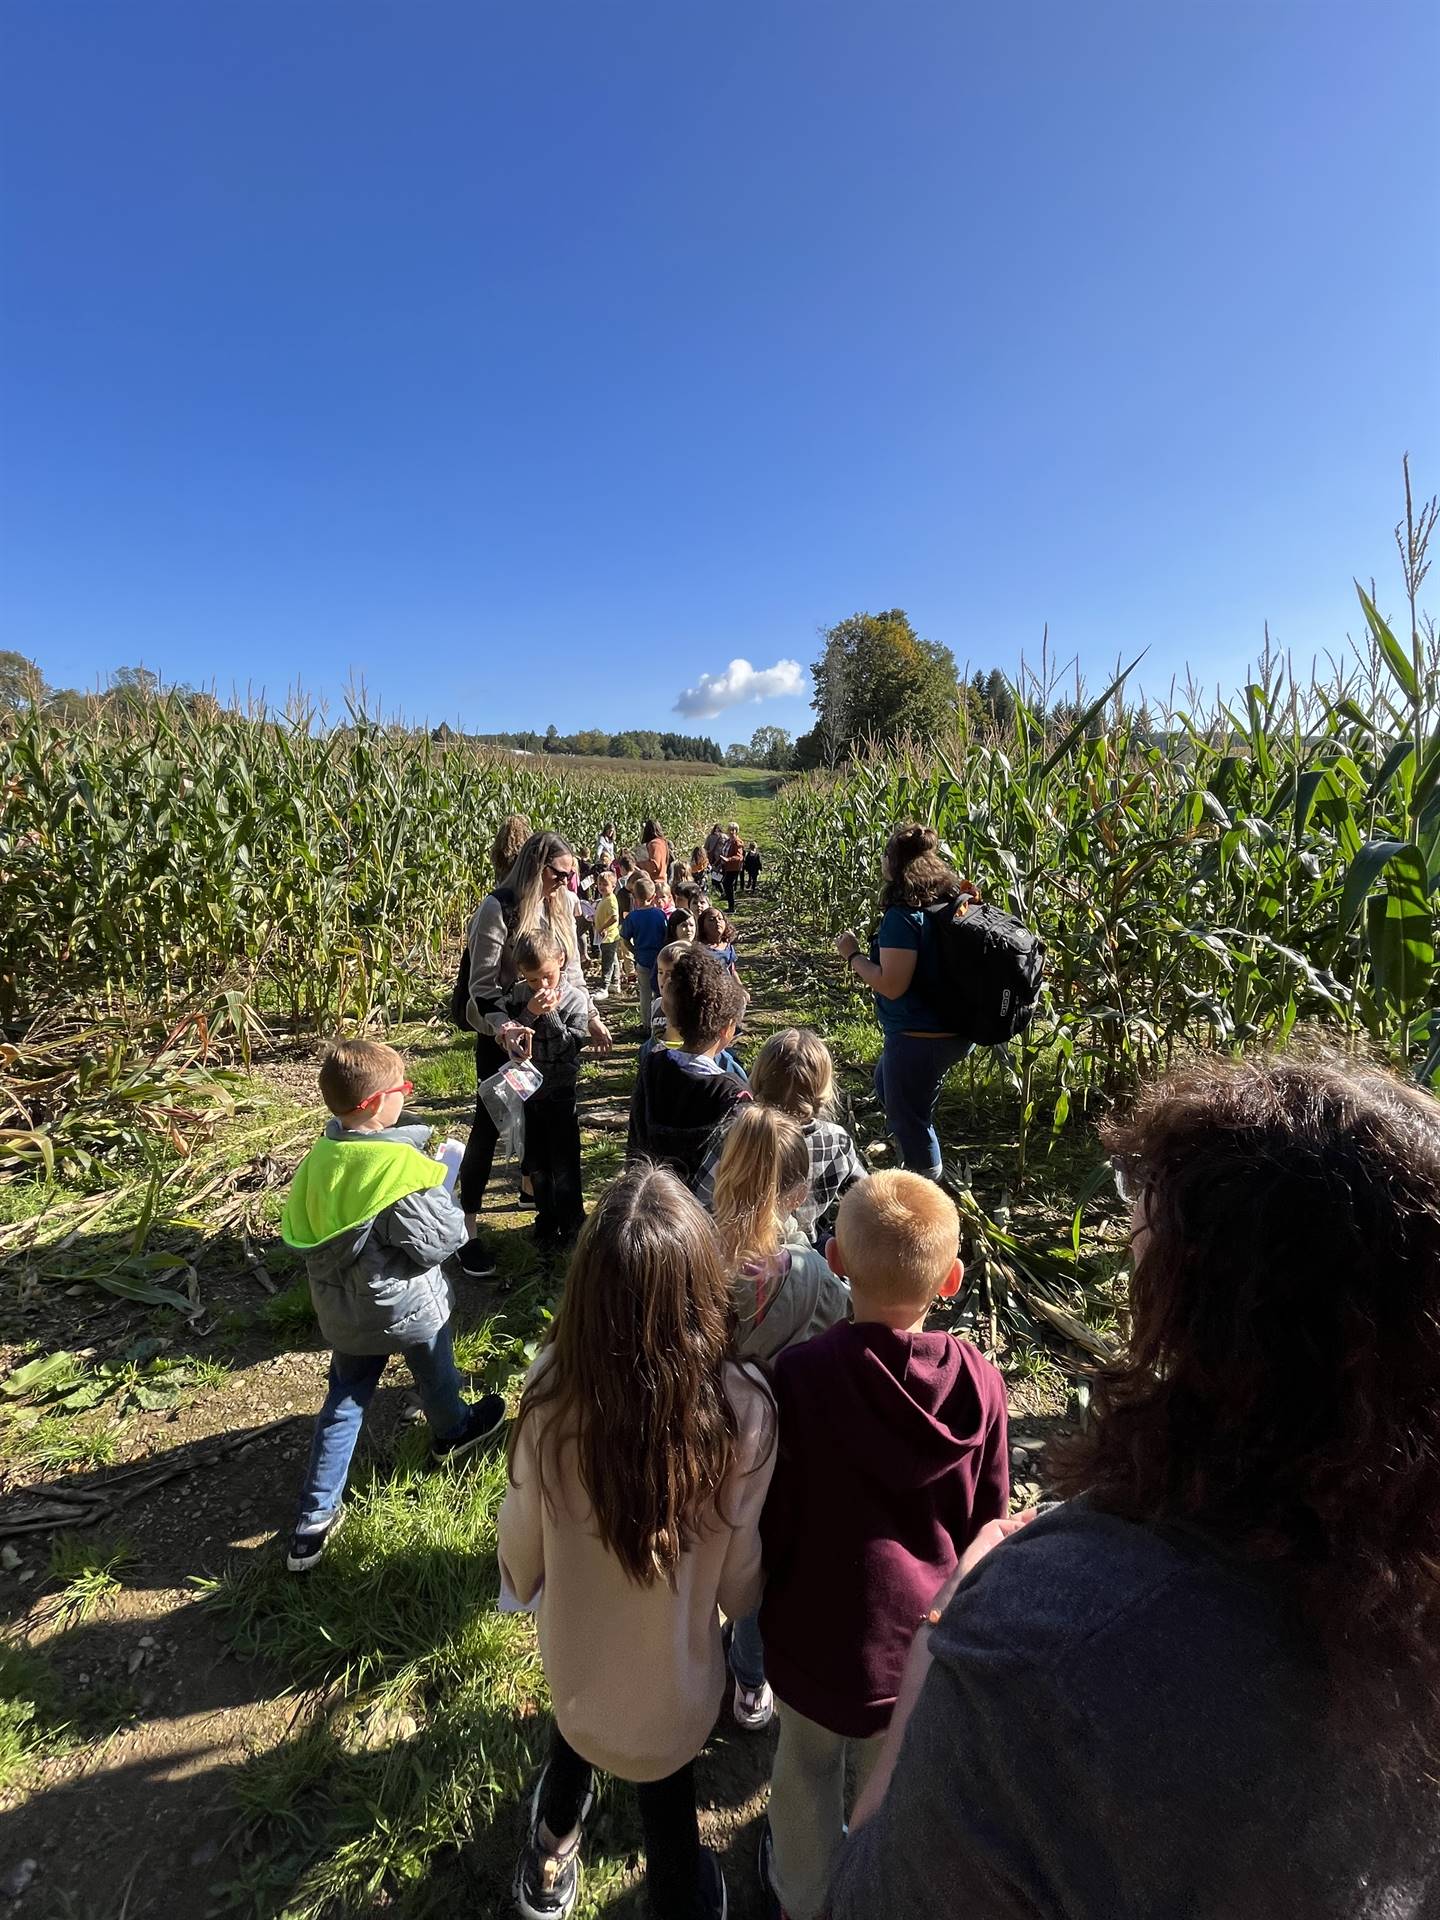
152 1716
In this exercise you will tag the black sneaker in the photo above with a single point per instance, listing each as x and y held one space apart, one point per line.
546 1884
307 1544
714 1900
484 1421
476 1261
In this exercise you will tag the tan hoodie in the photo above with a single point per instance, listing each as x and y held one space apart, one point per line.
635 1672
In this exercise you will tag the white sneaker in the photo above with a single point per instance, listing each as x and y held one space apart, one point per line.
753 1707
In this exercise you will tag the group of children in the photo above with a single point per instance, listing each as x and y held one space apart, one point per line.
739 1411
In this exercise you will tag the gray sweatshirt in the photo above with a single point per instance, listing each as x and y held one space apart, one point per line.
1121 1723
556 1038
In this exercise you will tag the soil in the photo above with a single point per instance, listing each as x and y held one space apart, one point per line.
143 1822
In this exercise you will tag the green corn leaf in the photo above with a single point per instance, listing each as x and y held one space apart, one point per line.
1077 731
1396 760
1364 874
1401 935
1396 658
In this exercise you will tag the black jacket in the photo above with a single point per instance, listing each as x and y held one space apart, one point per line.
676 1110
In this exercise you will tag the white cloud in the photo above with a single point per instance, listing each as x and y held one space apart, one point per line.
740 682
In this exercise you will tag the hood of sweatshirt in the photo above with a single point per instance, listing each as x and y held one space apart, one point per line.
905 1408
347 1178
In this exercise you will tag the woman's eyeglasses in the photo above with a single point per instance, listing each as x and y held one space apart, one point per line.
558 873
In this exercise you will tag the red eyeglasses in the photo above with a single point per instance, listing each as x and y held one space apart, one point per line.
374 1099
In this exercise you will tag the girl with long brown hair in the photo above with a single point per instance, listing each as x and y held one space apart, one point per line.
1209 1683
639 1463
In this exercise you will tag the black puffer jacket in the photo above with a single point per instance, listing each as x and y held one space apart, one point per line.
676 1110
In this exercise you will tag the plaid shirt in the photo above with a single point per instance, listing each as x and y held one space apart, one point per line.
834 1166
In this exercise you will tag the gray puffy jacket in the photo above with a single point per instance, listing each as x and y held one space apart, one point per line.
377 1285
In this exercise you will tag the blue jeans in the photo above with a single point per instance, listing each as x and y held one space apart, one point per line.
908 1078
353 1380
747 1651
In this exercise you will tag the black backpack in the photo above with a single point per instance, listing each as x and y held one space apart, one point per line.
981 969
460 993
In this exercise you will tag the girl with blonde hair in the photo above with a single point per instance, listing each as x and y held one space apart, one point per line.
793 1072
780 1294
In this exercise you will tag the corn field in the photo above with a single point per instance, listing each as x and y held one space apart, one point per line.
174 859
1209 878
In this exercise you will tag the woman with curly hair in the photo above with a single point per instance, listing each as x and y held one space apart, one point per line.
1208 1685
919 1049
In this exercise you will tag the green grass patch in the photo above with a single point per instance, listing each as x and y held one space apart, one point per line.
427 1731
32 1725
55 1440
448 1074
88 1574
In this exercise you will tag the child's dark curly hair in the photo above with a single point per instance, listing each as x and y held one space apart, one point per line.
703 997
1281 1386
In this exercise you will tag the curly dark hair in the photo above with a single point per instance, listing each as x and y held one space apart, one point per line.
915 874
1281 1387
703 997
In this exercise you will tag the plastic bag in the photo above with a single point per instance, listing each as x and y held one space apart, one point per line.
505 1094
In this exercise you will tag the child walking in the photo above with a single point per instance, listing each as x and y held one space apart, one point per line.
644 932
607 933
638 1467
780 1295
369 1212
557 1014
753 864
895 1455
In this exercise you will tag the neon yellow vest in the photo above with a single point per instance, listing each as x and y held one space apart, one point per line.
340 1184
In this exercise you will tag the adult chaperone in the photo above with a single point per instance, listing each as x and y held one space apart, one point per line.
534 894
919 1049
1207 1686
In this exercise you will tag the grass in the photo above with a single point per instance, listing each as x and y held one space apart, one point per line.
31 1725
88 1574
427 1728
56 1440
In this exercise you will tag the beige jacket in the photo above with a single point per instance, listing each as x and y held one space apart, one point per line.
636 1673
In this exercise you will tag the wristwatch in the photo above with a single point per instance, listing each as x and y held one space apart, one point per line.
852 958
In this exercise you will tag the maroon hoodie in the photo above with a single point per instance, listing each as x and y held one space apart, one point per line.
893 1453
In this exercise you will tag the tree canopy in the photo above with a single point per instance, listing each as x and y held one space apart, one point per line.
877 677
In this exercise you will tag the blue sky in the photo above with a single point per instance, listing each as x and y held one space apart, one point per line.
531 363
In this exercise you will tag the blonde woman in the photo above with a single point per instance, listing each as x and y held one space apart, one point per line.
534 896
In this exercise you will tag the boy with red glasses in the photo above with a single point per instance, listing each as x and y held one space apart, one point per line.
369 1211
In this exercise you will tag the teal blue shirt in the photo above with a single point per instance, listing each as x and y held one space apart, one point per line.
903 927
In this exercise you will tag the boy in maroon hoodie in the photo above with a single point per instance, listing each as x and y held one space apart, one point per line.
893 1453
